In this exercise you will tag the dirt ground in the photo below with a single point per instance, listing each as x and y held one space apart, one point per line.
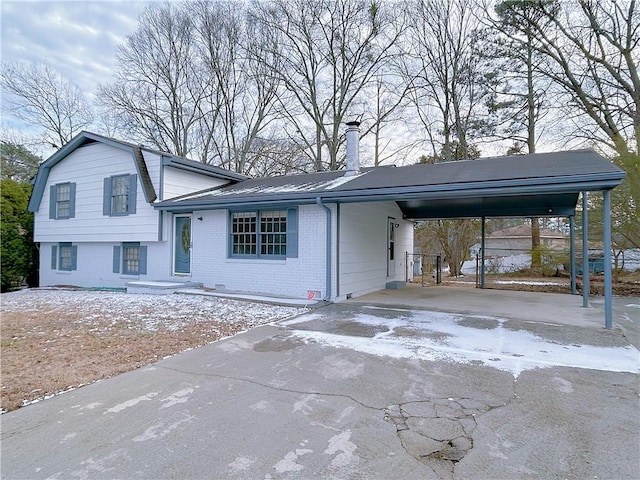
626 285
56 340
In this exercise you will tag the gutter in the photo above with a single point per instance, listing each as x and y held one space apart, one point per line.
327 296
439 191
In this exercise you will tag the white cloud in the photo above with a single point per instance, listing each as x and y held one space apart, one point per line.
78 39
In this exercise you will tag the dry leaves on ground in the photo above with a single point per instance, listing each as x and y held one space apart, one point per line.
53 340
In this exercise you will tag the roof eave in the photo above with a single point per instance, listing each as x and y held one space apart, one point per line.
592 182
203 169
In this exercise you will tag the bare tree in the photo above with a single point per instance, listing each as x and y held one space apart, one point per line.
159 83
591 48
328 51
521 97
446 66
41 97
243 89
447 69
591 51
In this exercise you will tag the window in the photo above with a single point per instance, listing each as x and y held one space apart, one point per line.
273 233
64 256
244 239
120 195
62 201
130 258
266 233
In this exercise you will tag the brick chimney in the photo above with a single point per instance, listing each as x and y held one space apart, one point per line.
353 148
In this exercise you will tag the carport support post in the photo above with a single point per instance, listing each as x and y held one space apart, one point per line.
608 287
585 252
572 253
482 255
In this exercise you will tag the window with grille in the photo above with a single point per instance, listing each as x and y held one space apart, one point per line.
64 256
263 233
131 259
63 201
65 262
273 233
244 238
119 194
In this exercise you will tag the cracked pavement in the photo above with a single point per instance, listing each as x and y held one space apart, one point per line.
283 401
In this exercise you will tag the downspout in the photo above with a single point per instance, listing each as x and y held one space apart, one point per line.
327 296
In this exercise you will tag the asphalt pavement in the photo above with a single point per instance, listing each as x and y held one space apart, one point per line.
356 390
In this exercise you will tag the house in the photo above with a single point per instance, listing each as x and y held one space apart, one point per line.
104 218
517 240
109 213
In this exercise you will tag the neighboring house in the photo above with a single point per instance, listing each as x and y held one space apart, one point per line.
109 212
517 240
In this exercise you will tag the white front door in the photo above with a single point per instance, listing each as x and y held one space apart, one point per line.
391 240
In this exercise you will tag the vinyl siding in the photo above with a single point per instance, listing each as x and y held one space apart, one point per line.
179 182
363 247
87 167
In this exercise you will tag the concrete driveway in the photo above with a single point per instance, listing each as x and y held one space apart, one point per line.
356 390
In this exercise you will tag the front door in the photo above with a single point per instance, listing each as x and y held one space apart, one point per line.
391 240
182 245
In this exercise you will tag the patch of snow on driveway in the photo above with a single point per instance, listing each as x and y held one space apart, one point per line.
437 336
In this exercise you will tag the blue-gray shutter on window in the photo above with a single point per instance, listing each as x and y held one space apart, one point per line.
142 266
116 259
53 197
292 233
74 257
106 197
54 257
72 200
133 188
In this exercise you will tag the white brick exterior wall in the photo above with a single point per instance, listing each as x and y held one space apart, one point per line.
95 265
292 277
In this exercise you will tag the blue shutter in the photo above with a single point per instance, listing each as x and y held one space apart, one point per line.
54 257
53 196
142 266
72 200
106 198
133 189
116 259
74 257
292 233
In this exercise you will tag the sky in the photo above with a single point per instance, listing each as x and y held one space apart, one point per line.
78 38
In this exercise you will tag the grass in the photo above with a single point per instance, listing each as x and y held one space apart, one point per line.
52 341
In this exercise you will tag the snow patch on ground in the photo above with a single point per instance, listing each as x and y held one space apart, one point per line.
481 340
144 312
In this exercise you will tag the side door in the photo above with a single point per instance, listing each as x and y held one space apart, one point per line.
391 244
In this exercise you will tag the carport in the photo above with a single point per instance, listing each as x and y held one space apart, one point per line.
534 185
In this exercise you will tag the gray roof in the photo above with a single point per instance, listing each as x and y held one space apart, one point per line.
544 184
